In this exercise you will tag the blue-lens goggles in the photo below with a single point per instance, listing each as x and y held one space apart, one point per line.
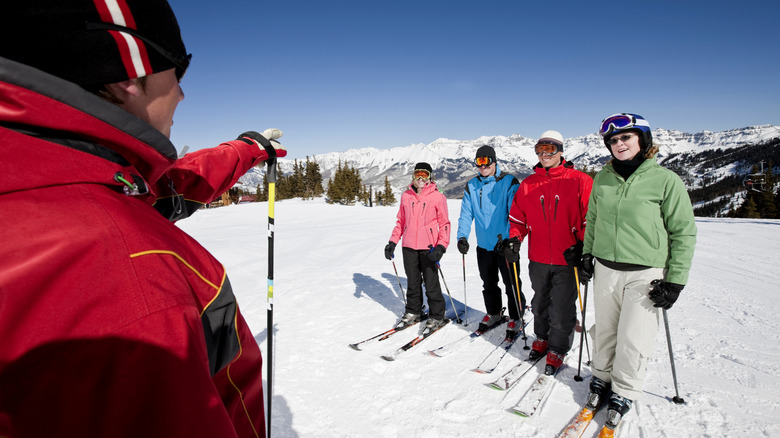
617 122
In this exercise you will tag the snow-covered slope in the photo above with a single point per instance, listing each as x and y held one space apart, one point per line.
333 287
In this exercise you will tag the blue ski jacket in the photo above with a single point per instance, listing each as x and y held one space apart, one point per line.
486 202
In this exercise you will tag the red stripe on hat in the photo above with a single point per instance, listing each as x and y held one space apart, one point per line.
127 20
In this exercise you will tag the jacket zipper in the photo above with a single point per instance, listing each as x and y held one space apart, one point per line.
544 213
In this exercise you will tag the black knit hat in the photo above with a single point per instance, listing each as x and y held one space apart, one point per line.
93 42
424 166
486 151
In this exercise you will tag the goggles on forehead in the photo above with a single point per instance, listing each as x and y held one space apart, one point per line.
546 149
619 122
422 174
483 161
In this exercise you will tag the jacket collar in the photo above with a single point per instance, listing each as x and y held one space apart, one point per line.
46 107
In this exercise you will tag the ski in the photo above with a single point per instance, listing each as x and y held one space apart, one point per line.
511 377
491 361
533 399
609 432
423 336
384 335
578 423
463 341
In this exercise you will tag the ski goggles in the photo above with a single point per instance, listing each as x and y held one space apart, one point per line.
619 122
483 161
547 149
422 174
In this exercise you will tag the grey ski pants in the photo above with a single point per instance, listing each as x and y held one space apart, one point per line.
625 327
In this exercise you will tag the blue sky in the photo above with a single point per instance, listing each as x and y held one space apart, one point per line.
336 75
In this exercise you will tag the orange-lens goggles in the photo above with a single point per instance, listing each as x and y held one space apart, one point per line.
422 174
546 149
483 161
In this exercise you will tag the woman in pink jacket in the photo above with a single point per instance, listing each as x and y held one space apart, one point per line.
425 226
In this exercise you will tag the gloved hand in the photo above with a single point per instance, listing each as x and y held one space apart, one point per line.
271 135
389 250
512 249
665 294
573 254
463 245
585 268
436 253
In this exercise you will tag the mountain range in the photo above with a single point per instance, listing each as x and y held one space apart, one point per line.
701 158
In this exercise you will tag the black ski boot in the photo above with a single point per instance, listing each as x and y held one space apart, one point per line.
618 408
599 391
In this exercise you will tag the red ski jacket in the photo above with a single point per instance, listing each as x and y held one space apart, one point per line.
550 208
113 321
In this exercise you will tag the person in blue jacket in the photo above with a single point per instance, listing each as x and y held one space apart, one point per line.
486 202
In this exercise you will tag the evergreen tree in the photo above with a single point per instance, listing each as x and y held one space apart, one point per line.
312 180
388 198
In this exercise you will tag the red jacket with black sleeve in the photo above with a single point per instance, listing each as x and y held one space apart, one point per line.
113 321
549 208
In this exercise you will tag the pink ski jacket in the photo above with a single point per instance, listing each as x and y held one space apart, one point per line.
422 219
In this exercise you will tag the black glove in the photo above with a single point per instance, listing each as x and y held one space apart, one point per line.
585 268
463 245
389 250
665 294
573 254
511 249
436 253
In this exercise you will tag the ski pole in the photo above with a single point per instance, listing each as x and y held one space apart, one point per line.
519 303
582 332
465 300
403 294
458 320
677 399
270 324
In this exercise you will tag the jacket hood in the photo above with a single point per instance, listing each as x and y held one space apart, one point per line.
47 110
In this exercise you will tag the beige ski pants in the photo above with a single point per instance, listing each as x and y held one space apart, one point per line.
625 327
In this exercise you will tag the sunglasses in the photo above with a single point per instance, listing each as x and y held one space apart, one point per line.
422 175
181 62
546 149
483 161
624 138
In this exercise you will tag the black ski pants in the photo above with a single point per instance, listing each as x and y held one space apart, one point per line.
419 268
490 263
554 304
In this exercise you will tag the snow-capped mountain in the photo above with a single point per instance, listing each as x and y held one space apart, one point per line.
452 160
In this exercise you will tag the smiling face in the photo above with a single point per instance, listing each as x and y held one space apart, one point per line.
549 155
624 145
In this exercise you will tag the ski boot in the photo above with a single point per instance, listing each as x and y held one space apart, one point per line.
599 391
407 320
554 361
538 349
618 408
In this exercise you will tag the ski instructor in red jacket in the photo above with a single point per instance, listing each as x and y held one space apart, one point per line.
113 321
549 208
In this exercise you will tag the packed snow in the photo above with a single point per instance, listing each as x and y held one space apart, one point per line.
333 287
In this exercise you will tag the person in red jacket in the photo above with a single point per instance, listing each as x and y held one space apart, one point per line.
424 223
114 322
549 208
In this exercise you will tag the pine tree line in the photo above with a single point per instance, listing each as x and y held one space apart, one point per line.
305 181
346 187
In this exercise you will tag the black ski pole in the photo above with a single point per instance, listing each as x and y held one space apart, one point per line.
270 360
403 294
465 300
458 320
582 332
677 399
519 303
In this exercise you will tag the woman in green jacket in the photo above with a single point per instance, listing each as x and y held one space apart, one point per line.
638 247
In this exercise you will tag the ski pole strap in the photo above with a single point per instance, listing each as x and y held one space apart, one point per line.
262 141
